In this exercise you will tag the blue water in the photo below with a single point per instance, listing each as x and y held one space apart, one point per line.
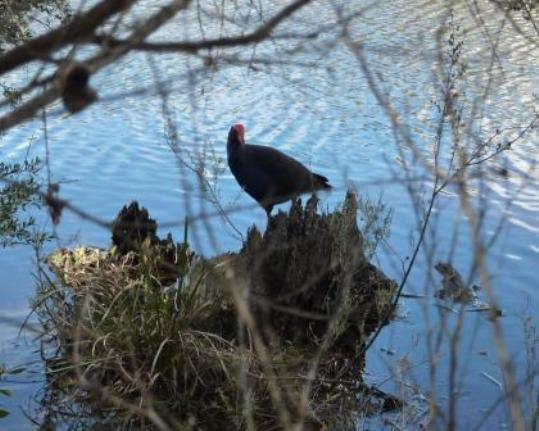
326 116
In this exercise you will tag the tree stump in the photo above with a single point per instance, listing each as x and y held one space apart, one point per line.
310 278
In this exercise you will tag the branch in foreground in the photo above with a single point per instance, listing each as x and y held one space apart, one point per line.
111 53
258 35
79 28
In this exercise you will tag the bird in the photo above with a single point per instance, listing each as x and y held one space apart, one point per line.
268 175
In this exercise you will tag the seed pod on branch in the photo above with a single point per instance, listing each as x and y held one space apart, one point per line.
73 84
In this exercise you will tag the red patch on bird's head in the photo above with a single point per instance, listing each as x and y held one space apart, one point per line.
240 130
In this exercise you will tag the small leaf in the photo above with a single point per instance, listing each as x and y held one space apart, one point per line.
17 370
5 392
3 413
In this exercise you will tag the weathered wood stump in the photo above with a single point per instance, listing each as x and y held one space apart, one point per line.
308 275
133 231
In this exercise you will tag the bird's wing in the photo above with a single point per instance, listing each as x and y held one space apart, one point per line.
287 173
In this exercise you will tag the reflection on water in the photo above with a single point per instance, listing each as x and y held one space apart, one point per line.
116 151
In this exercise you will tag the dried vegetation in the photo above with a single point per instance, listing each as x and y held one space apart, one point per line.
267 338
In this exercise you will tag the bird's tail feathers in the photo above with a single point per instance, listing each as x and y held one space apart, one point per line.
320 182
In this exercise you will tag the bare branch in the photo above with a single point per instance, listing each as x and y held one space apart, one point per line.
79 28
258 35
105 57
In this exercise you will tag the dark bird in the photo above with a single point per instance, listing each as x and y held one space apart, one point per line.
266 174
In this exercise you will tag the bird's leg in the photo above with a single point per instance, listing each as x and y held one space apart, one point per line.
268 209
266 203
